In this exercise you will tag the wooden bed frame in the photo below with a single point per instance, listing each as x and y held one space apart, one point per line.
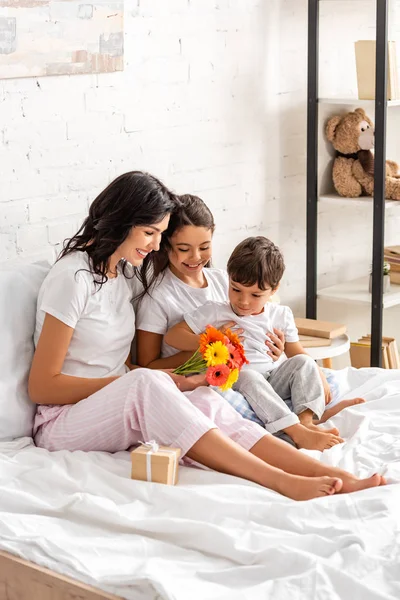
23 580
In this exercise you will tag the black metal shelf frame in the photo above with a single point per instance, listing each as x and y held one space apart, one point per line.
379 172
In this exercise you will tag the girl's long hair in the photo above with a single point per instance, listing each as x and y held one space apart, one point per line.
189 210
133 199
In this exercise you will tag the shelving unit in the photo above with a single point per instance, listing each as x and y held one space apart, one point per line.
379 202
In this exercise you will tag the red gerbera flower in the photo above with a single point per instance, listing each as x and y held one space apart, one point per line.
217 375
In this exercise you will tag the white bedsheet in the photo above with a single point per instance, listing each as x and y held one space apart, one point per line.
214 536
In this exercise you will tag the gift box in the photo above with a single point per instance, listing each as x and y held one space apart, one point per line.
151 462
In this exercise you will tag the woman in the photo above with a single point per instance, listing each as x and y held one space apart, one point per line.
87 399
183 282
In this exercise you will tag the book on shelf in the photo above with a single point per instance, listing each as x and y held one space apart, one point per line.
365 64
394 277
392 251
360 353
319 329
311 341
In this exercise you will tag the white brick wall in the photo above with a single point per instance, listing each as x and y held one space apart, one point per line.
212 100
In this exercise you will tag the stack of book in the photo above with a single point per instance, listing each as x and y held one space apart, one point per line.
392 256
365 64
360 353
314 333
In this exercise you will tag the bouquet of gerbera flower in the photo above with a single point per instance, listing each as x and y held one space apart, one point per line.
220 356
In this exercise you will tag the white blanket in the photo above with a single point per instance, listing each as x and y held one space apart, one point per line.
214 536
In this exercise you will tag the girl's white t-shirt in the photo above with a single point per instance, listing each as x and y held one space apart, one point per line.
171 298
103 318
255 328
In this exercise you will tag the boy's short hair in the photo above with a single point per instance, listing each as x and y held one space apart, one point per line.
256 260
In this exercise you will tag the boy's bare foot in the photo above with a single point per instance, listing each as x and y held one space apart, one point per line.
331 412
309 439
306 488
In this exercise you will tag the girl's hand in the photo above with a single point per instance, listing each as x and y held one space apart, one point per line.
276 344
327 389
233 326
187 384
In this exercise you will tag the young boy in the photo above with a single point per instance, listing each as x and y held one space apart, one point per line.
255 270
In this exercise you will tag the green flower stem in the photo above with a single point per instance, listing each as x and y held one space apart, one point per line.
195 364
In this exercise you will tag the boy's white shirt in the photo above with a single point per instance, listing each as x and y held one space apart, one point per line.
171 298
255 328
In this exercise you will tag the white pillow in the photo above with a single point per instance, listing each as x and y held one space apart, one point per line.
19 287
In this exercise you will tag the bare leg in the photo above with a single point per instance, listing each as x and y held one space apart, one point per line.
220 453
283 456
331 412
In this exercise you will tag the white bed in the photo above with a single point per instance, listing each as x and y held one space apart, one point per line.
214 536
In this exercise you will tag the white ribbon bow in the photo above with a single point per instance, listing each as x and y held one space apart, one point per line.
153 448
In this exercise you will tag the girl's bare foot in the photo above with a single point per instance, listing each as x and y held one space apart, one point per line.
306 488
330 412
309 439
314 427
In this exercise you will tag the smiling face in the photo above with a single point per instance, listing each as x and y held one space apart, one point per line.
191 249
248 300
141 240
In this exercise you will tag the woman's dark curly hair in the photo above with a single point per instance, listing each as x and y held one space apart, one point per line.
189 210
132 199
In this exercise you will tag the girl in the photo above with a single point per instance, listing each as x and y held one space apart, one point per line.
86 398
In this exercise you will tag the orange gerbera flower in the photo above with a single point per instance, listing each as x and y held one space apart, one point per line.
209 336
233 337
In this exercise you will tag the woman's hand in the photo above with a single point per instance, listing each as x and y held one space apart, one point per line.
276 344
186 384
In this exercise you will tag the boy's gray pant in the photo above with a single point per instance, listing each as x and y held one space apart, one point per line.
280 395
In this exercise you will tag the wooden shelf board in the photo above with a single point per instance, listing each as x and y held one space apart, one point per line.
355 102
362 201
356 292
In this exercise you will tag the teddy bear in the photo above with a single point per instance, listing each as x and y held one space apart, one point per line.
352 136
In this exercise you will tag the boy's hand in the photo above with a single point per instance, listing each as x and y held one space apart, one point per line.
275 344
327 389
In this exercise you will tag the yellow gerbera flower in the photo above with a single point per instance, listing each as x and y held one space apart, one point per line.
232 378
216 354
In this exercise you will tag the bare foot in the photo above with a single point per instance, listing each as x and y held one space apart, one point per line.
330 412
351 483
306 419
354 484
306 488
314 427
309 439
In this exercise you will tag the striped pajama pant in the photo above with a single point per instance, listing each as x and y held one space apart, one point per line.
140 406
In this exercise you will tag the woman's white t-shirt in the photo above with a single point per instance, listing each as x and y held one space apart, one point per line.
103 318
171 298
